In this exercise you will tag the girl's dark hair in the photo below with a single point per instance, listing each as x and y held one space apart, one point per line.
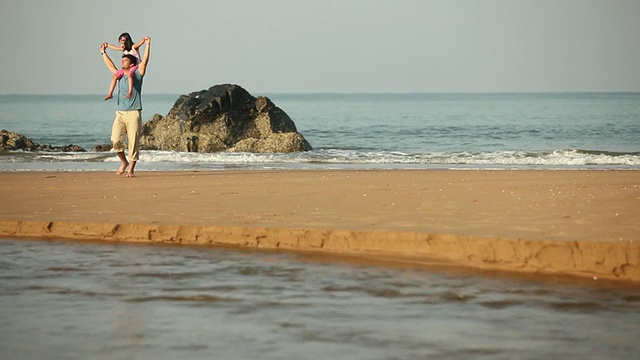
128 43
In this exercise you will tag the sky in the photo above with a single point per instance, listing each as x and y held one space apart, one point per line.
320 46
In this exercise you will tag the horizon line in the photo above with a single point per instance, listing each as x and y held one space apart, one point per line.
360 93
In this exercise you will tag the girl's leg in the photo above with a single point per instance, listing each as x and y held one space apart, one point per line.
130 76
132 71
112 86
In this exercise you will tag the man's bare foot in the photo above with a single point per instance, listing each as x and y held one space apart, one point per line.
122 169
109 96
130 174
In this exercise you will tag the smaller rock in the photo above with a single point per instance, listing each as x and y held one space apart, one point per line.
102 147
274 143
73 148
15 141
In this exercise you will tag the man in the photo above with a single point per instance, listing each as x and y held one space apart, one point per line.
128 120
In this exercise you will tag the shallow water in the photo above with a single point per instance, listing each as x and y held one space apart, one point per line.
75 300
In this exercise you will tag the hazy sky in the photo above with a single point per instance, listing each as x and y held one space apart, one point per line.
276 46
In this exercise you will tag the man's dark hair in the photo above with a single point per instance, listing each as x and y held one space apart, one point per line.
133 59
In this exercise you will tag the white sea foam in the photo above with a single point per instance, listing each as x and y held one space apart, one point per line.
326 159
570 157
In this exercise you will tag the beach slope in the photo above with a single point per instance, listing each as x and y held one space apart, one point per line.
579 223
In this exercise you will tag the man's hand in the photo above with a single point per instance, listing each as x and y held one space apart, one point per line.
107 60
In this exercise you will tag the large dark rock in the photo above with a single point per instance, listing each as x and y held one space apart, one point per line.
15 141
223 118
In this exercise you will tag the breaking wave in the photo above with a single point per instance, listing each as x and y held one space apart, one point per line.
333 158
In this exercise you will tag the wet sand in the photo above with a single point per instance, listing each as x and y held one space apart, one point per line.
583 224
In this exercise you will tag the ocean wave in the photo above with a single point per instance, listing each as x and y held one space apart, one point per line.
334 156
328 157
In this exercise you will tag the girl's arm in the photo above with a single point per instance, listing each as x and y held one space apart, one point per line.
115 47
138 44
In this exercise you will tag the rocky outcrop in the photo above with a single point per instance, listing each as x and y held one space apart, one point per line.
15 141
223 118
102 147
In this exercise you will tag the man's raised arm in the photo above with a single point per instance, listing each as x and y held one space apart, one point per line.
145 59
107 59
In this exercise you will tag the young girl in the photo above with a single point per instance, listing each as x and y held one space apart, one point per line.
127 47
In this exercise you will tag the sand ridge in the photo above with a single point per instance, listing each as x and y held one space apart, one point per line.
579 223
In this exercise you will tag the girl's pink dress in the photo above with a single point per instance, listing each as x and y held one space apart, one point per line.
132 70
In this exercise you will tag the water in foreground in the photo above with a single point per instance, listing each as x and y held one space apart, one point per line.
73 300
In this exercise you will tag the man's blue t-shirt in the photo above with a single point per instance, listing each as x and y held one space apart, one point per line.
135 102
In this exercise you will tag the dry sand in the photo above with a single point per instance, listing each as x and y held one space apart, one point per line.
584 224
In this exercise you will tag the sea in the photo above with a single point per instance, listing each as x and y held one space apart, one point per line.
62 299
362 131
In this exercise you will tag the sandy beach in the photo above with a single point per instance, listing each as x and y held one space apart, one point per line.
581 224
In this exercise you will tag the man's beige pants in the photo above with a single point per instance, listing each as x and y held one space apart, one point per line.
127 124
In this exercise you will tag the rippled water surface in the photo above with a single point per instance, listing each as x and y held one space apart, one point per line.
74 300
361 131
